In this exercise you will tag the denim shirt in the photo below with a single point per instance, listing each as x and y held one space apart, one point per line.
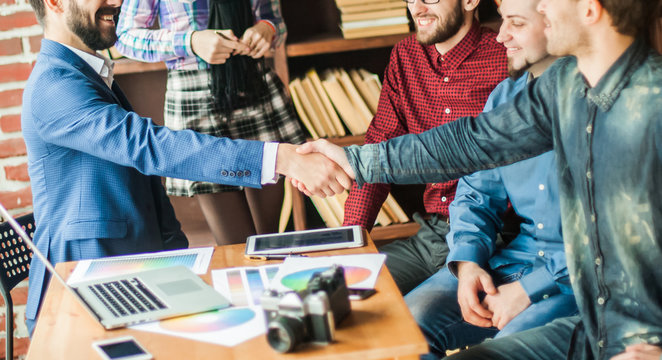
609 150
535 257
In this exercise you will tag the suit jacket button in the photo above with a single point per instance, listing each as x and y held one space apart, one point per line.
247 173
224 173
231 173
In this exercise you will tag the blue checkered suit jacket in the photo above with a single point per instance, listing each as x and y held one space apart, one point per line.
94 167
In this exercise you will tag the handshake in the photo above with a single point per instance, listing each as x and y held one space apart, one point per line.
315 168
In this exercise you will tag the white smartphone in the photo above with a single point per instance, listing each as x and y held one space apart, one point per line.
121 348
305 240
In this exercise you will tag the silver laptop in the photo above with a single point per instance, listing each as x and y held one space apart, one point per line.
139 297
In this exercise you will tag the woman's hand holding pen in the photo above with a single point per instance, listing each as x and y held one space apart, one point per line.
216 46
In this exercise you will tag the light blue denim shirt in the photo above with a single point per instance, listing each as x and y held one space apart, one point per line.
535 257
608 141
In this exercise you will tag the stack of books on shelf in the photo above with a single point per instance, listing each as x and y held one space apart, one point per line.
366 18
331 209
326 101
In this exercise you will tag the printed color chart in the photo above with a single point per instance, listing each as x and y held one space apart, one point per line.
243 286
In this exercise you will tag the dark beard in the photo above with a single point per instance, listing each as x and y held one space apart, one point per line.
89 34
449 28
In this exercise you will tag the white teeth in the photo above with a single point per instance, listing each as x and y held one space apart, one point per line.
107 17
424 21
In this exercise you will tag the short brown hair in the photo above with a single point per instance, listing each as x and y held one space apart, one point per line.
631 17
39 10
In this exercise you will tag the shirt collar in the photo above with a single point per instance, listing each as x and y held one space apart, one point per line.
460 52
101 64
607 90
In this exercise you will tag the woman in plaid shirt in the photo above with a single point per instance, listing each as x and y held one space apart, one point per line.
188 48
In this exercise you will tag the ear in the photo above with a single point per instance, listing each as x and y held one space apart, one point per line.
591 11
54 5
470 5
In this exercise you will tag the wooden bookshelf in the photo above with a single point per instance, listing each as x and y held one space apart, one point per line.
333 43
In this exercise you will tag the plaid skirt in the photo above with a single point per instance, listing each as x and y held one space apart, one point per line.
189 104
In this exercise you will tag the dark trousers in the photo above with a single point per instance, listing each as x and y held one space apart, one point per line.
413 260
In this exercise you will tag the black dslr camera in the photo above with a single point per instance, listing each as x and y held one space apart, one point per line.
309 315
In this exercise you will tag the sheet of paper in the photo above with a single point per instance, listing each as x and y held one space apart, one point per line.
227 327
361 270
242 321
243 286
196 259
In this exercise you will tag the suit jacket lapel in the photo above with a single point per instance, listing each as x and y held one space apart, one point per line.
59 51
119 95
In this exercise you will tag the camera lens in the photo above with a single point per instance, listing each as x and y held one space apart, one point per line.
285 333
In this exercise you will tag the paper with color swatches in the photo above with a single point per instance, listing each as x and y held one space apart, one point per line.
227 327
361 270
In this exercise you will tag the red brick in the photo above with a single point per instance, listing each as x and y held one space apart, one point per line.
10 199
12 147
20 346
10 46
18 20
35 43
17 173
10 123
19 295
15 72
11 98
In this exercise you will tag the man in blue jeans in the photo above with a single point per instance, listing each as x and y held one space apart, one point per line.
527 283
599 108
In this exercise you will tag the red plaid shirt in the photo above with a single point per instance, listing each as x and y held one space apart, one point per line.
423 89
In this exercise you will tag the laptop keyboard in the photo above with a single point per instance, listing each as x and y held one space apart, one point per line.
126 297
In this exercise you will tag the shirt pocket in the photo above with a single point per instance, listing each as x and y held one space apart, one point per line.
95 229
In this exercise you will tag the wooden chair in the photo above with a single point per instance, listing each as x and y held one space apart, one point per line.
15 257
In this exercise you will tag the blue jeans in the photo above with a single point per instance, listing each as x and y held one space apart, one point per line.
436 310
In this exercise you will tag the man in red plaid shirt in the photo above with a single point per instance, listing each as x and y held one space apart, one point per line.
443 72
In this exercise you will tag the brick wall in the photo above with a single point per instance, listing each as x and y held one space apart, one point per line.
20 37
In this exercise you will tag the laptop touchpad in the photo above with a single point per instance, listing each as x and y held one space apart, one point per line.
178 287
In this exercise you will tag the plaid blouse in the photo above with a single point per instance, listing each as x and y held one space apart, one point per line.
423 89
178 19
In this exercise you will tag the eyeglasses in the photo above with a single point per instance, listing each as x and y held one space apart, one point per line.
428 2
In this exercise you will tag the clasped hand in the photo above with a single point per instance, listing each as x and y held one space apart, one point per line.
314 172
216 46
331 152
500 304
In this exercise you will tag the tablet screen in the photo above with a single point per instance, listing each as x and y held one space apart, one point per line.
288 240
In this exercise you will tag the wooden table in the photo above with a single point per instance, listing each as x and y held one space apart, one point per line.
380 327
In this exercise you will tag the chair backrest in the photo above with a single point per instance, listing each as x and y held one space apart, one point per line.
15 255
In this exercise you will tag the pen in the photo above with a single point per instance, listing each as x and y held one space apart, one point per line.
223 35
272 257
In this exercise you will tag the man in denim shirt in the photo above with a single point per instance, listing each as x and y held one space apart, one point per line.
599 109
527 282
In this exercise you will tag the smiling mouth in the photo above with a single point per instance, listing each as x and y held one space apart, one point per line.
108 14
424 21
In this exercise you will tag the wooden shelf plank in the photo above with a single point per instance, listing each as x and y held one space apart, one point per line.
394 231
128 66
333 42
348 140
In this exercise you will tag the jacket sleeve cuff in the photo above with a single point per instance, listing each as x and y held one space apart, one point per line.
539 285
